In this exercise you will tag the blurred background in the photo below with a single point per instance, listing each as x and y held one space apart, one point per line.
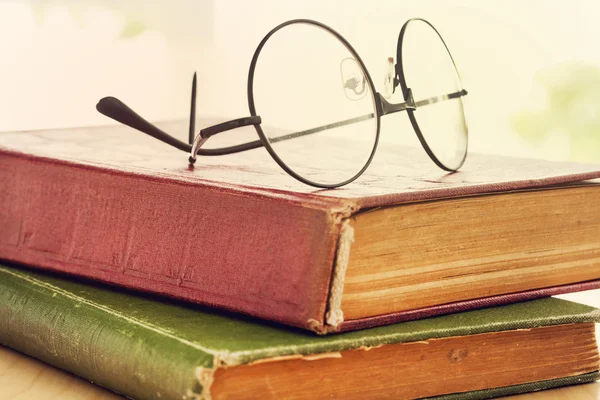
532 68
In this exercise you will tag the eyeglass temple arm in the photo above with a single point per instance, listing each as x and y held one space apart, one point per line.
206 133
386 108
437 99
119 111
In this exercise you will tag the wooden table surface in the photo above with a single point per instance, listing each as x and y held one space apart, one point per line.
24 378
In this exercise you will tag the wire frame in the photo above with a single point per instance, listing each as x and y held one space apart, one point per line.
117 110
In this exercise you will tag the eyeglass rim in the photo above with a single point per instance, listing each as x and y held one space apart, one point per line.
411 113
258 127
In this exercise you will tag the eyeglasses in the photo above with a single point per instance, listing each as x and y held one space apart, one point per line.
315 94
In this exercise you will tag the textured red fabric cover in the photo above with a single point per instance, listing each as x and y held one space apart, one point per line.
234 232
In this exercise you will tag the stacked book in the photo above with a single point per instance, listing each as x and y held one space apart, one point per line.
231 281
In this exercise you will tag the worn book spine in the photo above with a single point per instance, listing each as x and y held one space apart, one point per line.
258 252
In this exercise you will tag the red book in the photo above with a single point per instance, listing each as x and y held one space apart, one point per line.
404 241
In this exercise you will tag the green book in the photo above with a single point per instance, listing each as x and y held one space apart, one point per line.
146 348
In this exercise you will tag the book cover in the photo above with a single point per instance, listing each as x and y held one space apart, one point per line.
235 232
144 348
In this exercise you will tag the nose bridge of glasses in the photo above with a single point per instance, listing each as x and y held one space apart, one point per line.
390 108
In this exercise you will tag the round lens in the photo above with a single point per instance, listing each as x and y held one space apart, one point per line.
428 70
316 103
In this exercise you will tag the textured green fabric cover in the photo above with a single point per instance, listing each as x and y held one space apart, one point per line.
145 348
